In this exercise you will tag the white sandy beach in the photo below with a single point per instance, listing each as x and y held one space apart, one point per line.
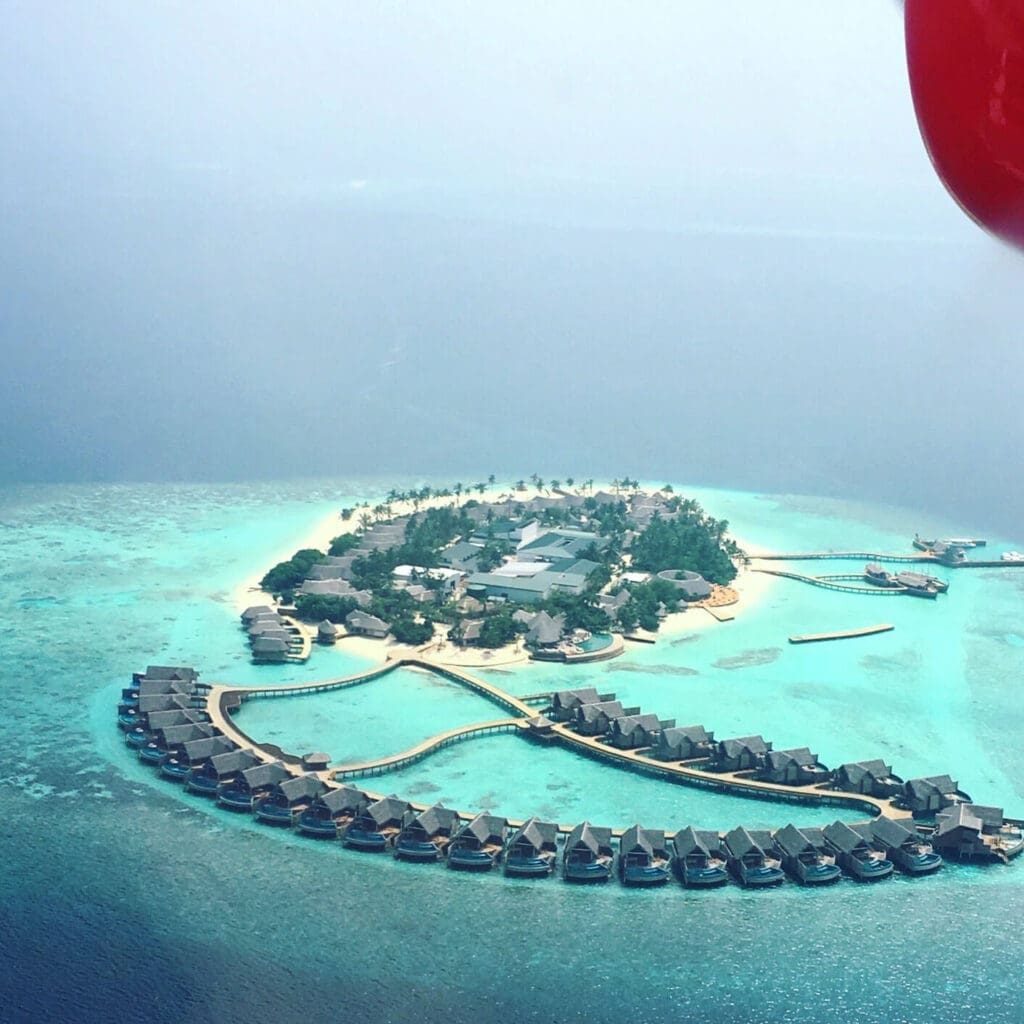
750 586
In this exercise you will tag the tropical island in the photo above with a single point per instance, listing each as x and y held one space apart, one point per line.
564 571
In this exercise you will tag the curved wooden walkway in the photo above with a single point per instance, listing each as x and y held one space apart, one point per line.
732 782
866 556
833 583
222 699
381 765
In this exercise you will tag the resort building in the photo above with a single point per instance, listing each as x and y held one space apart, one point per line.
684 743
545 631
444 580
560 545
875 778
644 857
596 719
532 849
253 783
805 856
690 586
478 844
855 854
904 846
427 835
565 703
741 754
462 555
754 859
797 767
588 854
932 794
363 624
971 831
631 732
700 858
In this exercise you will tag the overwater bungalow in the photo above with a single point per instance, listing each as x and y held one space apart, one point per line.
164 702
252 784
157 750
184 674
186 756
904 846
375 828
332 811
588 854
631 732
256 611
272 649
644 857
288 799
207 777
327 632
741 753
532 850
931 794
478 844
874 778
596 719
683 743
565 703
700 861
971 831
855 855
754 859
805 856
426 836
796 767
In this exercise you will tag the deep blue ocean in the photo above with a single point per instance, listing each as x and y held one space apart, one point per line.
124 899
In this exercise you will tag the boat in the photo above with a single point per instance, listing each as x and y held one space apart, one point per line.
700 861
918 584
1012 556
875 574
426 836
588 855
754 858
532 850
478 844
644 859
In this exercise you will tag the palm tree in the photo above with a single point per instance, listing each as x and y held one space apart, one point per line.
458 491
365 520
520 485
480 488
490 480
555 484
569 481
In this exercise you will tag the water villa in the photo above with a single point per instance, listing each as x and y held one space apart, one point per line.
288 799
973 832
700 859
632 732
742 753
596 719
856 856
754 859
684 743
797 767
933 793
426 836
588 854
805 857
532 850
207 777
565 703
872 777
644 858
375 828
905 847
186 756
331 811
477 845
252 784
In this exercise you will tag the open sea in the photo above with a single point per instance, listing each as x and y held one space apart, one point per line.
124 899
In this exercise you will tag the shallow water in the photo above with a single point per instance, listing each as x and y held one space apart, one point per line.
122 898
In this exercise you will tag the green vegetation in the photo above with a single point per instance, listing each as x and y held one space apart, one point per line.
498 629
406 630
342 544
286 577
317 607
694 541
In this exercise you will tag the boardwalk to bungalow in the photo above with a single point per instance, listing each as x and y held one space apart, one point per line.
223 699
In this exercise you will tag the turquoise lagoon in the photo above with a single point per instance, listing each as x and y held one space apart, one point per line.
160 906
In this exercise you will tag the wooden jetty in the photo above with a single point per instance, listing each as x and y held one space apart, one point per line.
842 634
835 583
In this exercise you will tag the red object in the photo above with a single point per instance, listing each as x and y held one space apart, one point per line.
966 61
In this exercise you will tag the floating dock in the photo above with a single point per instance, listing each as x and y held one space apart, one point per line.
843 634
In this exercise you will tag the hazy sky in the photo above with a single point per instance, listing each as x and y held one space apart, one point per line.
680 240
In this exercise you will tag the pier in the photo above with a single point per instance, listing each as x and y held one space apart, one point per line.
836 583
843 634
